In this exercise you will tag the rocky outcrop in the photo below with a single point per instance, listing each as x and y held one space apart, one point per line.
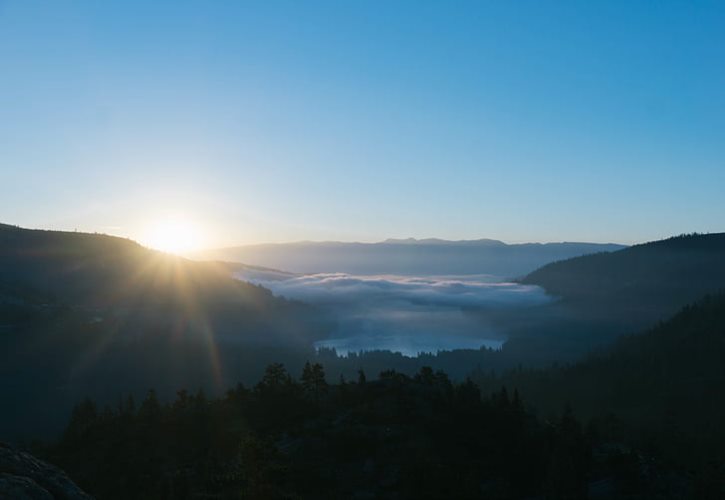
22 476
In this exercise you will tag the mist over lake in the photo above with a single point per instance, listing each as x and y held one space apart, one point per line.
406 314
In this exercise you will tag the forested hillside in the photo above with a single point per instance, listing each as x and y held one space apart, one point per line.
653 279
602 296
664 386
420 437
86 314
90 316
96 270
390 437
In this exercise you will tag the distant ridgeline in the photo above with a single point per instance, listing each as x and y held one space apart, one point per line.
408 257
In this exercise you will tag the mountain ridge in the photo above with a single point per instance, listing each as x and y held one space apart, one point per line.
406 256
685 267
409 241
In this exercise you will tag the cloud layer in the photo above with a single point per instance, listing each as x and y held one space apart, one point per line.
340 288
404 313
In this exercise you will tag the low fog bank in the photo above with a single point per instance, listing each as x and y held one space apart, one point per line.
406 314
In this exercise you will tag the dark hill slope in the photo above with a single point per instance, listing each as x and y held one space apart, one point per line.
605 295
668 381
87 314
663 274
99 273
99 270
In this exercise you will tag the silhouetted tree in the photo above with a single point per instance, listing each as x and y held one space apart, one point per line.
150 407
313 380
275 378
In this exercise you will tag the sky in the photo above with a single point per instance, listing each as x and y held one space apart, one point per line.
282 121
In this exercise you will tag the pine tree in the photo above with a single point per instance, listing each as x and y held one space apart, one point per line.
313 380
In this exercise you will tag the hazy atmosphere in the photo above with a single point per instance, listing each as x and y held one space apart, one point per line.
401 249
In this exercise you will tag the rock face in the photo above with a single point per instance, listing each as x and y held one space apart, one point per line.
22 476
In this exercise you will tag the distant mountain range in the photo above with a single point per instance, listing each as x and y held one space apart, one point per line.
407 256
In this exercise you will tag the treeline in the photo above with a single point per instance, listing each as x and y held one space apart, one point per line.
457 363
393 437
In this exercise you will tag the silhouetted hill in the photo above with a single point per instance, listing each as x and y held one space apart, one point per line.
97 270
604 295
654 279
407 256
664 385
94 314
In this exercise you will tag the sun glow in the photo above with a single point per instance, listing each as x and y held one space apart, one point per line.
173 235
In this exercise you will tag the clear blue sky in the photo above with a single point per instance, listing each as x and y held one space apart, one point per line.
362 120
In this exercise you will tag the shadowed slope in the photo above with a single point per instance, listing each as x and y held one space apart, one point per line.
602 296
667 381
654 278
99 270
92 314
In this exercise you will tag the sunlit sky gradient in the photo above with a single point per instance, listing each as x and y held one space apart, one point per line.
278 121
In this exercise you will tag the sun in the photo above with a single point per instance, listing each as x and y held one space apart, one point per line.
175 235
